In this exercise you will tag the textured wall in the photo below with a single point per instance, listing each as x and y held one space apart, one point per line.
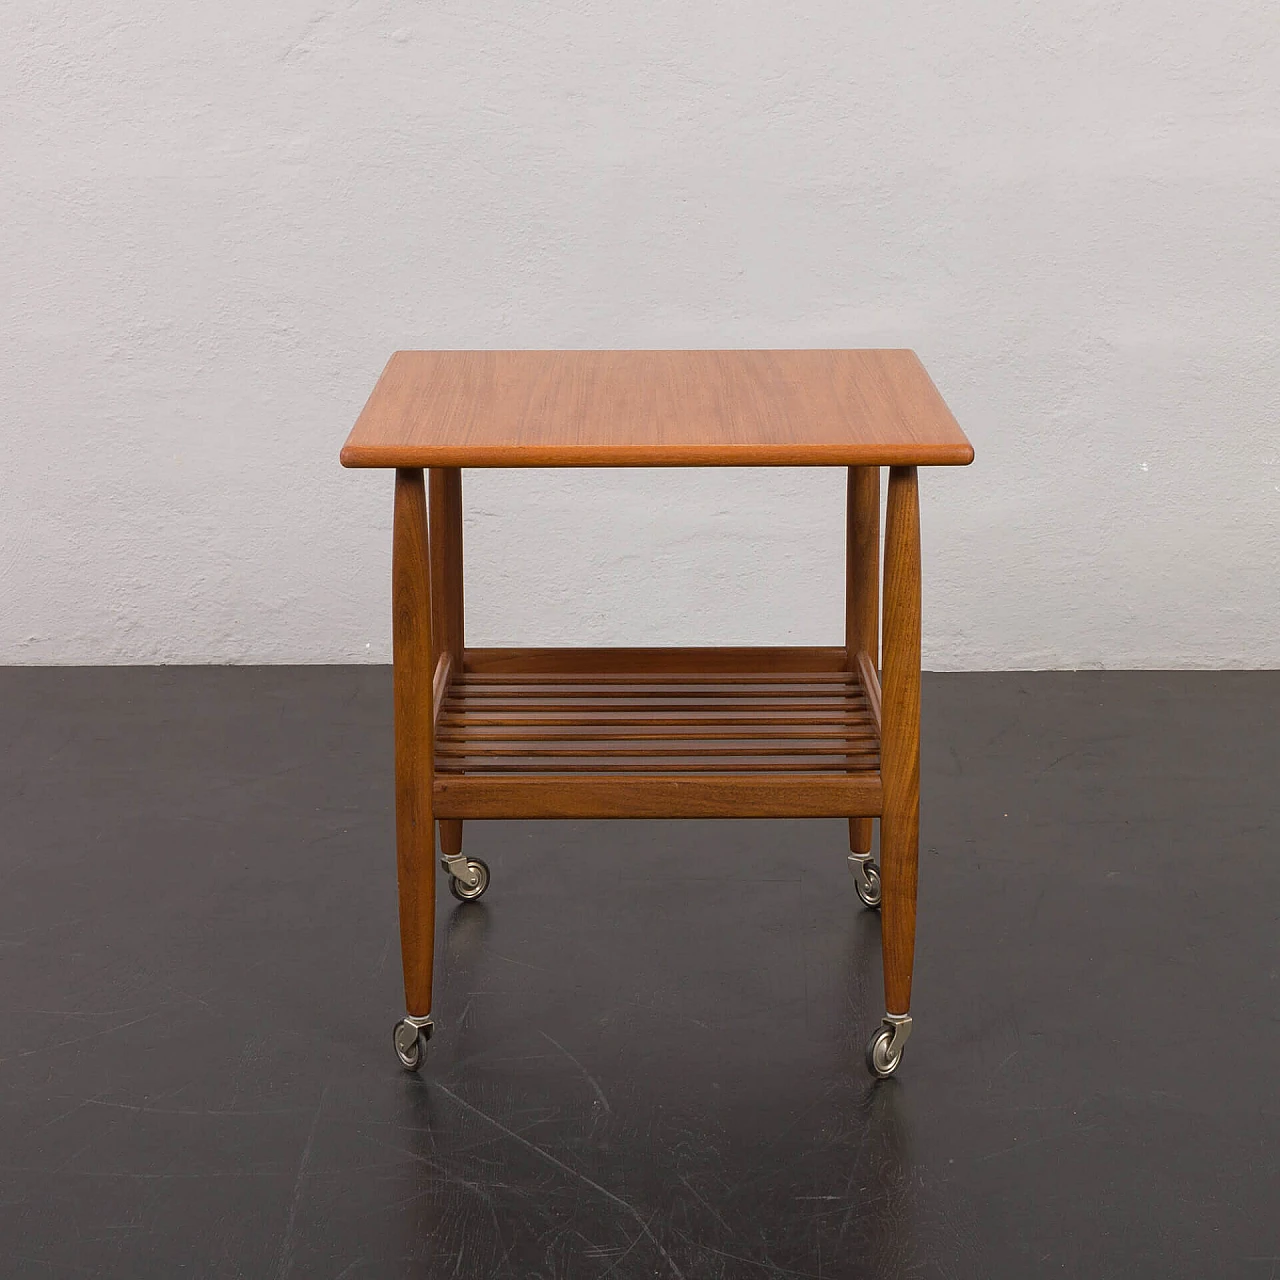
219 220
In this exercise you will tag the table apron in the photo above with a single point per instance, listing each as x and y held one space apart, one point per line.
659 796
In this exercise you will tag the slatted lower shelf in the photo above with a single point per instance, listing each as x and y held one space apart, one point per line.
608 743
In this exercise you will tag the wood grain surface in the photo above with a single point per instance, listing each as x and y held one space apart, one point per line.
654 408
900 737
412 700
444 489
628 662
862 601
444 512
657 795
757 739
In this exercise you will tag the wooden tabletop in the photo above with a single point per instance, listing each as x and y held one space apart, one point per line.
654 409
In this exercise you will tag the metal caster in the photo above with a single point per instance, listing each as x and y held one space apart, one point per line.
468 877
884 1049
410 1036
866 878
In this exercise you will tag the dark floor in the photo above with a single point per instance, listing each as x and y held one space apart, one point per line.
649 1056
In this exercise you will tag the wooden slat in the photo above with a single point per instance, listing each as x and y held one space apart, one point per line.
638 711
830 795
621 695
654 744
689 700
638 690
594 733
448 753
630 663
455 755
689 736
851 695
581 766
606 719
731 681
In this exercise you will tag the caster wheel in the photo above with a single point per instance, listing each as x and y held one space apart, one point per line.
411 1043
880 1061
466 892
868 885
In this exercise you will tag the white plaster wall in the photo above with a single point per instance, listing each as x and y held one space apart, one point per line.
216 221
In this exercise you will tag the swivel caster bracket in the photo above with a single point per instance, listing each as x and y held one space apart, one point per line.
410 1036
884 1049
866 878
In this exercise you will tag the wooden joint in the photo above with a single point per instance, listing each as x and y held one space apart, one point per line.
440 684
866 669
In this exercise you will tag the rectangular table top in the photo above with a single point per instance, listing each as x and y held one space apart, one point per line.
655 409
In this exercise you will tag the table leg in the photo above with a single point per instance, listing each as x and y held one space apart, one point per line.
411 594
899 764
862 635
468 877
445 516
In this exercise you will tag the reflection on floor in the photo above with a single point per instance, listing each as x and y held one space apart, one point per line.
649 1049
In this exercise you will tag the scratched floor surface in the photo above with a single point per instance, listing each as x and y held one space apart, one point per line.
649 1057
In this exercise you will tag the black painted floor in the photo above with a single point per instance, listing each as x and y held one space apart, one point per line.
649 1056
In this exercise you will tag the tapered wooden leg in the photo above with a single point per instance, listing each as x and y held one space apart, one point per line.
414 732
444 512
451 837
446 562
862 595
900 737
860 833
445 516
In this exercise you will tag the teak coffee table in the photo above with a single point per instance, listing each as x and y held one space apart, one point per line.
656 733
